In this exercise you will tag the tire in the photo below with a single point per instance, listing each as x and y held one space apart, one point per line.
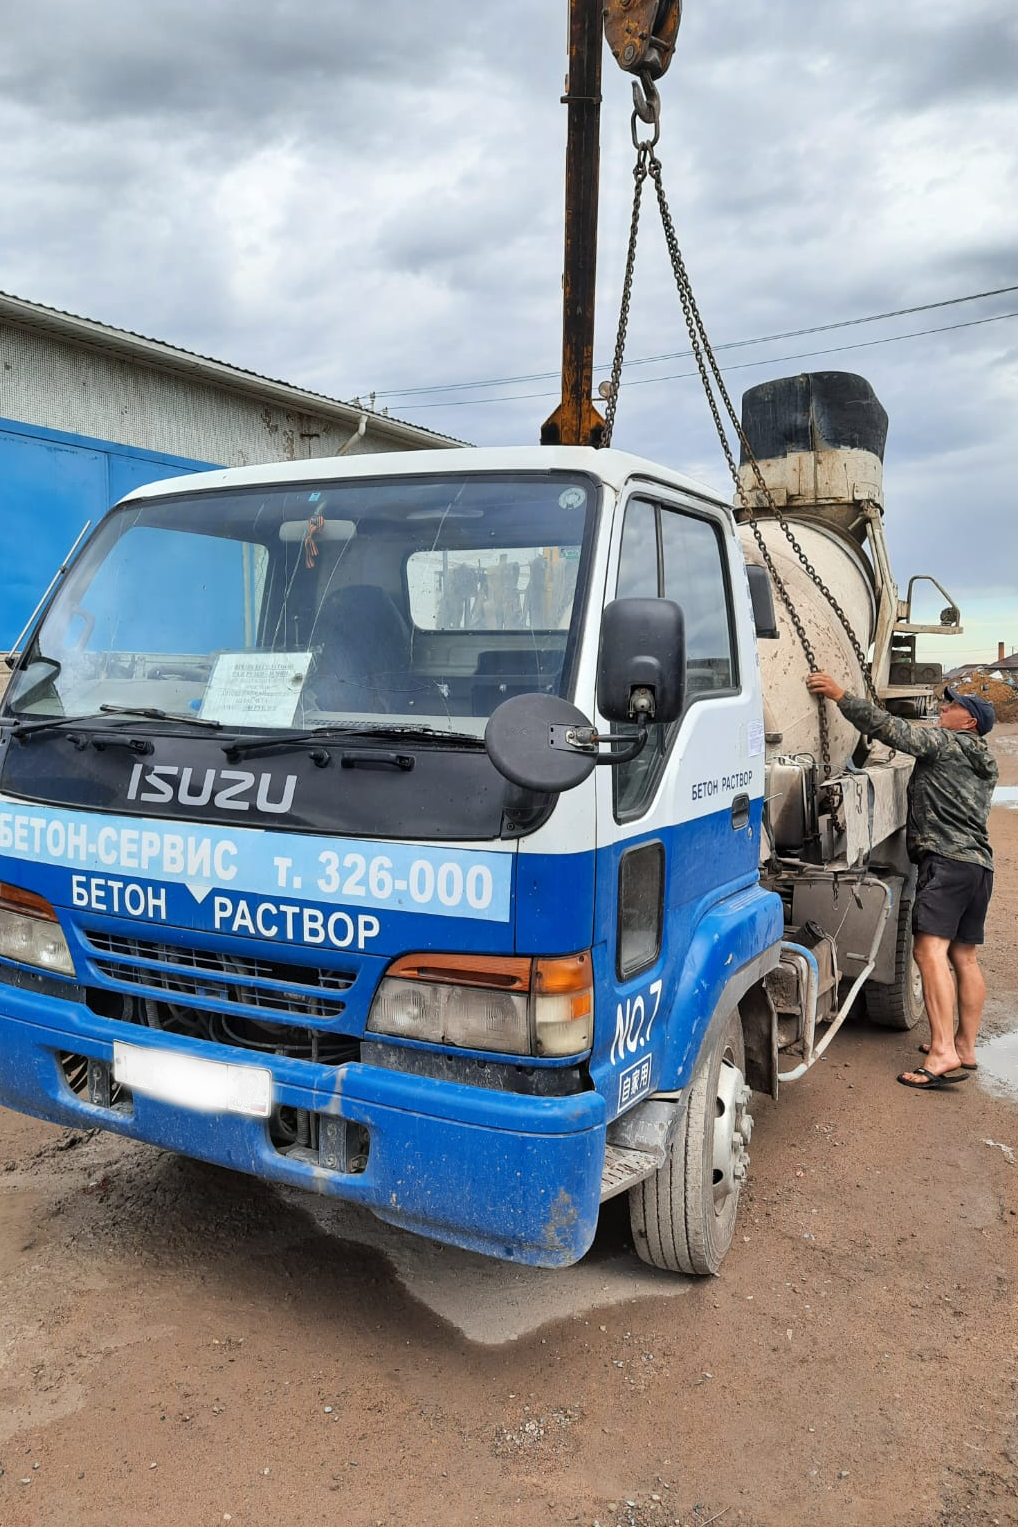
683 1217
899 1005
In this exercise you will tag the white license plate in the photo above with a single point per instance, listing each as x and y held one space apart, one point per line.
190 1081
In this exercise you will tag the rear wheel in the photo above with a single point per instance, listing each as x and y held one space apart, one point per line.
899 1005
683 1217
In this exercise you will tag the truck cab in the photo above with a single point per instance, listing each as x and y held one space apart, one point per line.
269 898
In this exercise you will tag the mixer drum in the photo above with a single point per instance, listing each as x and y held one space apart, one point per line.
791 718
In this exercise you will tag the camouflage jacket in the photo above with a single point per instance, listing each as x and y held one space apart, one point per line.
951 788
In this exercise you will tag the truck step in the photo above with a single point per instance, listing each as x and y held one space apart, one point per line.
624 1169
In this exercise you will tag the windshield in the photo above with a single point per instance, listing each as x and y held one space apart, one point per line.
422 601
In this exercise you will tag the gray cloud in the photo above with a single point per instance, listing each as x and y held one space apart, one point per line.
969 56
212 62
365 200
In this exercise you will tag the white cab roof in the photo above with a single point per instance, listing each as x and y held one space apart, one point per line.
612 467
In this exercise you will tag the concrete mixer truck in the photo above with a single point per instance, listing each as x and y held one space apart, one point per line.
470 848
452 834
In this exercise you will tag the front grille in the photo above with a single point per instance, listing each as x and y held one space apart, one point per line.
238 981
260 1036
264 1006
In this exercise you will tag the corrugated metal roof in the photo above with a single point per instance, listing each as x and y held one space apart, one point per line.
155 352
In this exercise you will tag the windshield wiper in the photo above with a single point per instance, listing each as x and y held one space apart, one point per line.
26 729
150 713
240 747
401 729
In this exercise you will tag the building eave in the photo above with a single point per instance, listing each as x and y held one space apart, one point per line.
34 316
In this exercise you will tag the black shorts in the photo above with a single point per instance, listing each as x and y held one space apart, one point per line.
951 898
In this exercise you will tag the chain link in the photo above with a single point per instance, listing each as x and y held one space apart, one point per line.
643 152
647 163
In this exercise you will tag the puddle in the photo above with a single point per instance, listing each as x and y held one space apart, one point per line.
998 1057
998 1063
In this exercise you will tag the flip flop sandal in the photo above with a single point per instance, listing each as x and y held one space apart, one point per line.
965 1065
938 1081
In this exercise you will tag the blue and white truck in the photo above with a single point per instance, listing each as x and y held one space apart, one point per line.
450 834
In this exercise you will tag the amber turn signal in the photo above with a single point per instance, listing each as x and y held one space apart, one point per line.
14 899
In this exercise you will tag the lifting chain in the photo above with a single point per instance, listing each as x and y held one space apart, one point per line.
643 153
647 163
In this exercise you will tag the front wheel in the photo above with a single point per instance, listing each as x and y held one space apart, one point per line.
683 1217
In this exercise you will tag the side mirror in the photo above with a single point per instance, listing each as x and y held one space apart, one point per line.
535 741
762 596
641 667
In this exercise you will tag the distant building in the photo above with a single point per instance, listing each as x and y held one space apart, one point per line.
964 671
1000 667
88 412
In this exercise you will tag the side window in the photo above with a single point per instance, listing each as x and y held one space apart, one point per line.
675 555
641 908
695 579
639 575
639 578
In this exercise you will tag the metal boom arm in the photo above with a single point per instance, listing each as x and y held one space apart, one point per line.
641 34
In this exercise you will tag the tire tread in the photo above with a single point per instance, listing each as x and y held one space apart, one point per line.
666 1208
891 1006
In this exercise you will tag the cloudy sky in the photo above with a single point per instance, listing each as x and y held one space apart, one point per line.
368 199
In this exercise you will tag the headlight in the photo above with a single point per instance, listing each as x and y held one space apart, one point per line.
452 1015
479 1002
30 933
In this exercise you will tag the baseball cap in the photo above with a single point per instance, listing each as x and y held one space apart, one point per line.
982 709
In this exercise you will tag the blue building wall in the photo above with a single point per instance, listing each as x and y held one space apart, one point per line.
51 483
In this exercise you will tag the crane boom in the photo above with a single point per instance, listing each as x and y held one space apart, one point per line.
641 35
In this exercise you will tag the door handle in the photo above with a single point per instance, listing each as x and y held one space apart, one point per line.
740 812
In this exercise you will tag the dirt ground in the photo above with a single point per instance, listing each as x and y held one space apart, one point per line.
182 1346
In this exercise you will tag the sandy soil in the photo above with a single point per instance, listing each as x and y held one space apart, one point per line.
183 1346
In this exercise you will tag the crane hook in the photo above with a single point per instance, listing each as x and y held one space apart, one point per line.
646 108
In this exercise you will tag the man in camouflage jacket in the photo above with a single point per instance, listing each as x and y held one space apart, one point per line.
949 797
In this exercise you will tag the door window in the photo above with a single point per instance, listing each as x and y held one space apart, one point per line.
672 554
694 576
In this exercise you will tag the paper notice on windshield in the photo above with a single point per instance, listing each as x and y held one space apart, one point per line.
255 688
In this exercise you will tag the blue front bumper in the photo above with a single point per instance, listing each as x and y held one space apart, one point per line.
510 1176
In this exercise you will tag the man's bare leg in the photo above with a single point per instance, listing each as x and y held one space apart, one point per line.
971 998
938 993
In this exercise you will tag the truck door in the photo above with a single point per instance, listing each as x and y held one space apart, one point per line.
679 825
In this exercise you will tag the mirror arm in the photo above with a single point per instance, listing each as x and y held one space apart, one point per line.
587 738
624 755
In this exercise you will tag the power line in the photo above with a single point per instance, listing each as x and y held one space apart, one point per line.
676 376
733 344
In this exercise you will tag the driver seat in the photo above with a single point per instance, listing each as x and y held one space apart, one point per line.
365 656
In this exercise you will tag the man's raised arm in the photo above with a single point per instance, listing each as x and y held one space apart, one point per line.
919 741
